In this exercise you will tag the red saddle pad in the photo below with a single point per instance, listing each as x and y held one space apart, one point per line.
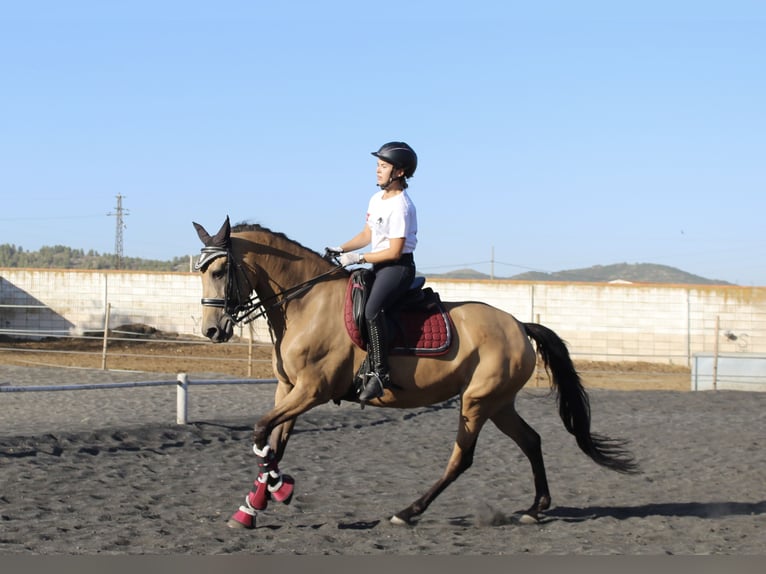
422 330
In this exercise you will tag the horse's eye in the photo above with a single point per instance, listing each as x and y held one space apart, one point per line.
219 273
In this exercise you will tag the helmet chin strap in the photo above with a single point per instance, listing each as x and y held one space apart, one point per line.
391 179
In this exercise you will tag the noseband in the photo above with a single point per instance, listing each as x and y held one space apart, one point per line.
253 308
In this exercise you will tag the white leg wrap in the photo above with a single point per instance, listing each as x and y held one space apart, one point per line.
261 453
276 486
247 508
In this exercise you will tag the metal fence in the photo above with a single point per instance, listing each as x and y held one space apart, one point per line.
704 372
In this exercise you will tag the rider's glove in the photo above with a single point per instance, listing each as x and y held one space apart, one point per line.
347 259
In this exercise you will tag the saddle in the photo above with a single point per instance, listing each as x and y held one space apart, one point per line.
418 324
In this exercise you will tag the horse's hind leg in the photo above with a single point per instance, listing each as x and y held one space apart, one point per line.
471 423
511 423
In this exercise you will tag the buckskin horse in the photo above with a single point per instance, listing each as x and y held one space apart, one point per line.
250 271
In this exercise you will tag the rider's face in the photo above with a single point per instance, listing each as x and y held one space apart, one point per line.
384 171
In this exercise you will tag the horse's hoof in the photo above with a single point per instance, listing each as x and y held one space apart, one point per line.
399 521
238 525
528 519
241 520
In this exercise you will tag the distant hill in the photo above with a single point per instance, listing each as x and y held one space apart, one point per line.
618 272
62 257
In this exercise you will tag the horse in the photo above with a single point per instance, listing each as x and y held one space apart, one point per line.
249 271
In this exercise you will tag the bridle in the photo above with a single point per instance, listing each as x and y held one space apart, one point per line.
252 308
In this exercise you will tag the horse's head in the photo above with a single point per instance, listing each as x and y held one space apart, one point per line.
242 264
222 292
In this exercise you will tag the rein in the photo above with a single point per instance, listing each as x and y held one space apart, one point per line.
253 307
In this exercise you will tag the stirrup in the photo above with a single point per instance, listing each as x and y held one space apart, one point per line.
372 388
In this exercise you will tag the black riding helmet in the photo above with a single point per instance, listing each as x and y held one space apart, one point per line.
400 155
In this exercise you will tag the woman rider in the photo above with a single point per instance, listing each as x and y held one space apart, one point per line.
391 229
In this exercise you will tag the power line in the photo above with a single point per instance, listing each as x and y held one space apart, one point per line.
50 218
474 263
455 265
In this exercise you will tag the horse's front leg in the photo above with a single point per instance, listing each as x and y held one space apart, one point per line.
270 438
280 434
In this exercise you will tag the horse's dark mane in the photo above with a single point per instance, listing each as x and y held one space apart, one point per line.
243 227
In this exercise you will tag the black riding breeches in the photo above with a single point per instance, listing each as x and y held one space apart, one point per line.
391 282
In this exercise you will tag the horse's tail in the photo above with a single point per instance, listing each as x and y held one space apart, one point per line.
574 404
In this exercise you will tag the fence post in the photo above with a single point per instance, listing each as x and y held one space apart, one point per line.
715 353
538 377
181 398
250 350
106 335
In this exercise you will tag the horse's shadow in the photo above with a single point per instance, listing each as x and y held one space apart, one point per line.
668 509
489 517
575 514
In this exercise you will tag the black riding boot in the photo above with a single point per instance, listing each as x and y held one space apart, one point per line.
377 346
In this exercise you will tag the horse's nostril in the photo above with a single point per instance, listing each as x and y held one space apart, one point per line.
211 333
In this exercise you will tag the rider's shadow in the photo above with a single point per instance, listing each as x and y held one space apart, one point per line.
679 509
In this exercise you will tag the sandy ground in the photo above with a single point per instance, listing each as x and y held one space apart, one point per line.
109 472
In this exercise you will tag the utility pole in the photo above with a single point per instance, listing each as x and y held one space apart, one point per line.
492 264
119 212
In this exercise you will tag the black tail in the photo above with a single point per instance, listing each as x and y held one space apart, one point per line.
574 405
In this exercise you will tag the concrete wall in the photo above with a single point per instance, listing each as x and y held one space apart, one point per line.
604 322
634 322
74 301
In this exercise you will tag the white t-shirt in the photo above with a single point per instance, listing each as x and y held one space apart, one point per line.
392 217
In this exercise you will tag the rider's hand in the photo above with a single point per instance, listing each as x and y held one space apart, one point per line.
347 259
332 252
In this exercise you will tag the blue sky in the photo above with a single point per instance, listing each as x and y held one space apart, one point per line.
551 135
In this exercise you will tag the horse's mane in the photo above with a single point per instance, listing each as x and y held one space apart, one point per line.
244 227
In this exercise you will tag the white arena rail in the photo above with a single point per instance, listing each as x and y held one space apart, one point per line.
182 383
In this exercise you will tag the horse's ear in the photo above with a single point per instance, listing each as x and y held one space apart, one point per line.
203 235
223 237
